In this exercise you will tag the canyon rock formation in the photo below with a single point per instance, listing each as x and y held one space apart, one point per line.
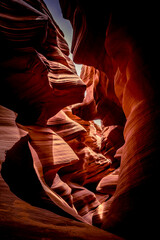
54 155
51 158
122 42
35 65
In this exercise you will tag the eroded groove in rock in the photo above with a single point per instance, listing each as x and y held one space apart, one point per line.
70 153
60 152
124 50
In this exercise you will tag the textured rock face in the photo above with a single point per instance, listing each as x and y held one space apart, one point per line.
101 102
35 68
21 220
58 153
123 50
38 80
63 153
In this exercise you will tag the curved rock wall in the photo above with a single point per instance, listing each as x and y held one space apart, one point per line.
60 152
118 48
36 71
126 54
101 102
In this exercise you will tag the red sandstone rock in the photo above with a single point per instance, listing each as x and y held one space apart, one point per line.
124 50
36 97
100 100
47 148
65 127
123 54
38 80
108 109
112 139
87 110
108 183
19 219
101 92
84 137
32 48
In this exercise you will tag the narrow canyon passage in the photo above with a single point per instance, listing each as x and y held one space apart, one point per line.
69 177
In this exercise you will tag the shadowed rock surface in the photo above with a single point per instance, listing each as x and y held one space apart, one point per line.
62 161
48 157
125 50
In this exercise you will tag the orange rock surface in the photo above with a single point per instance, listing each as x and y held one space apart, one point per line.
54 156
122 42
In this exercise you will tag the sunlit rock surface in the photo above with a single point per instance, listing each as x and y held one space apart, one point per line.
62 161
22 221
100 91
50 158
35 68
118 42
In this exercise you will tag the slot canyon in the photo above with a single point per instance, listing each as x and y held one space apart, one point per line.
79 152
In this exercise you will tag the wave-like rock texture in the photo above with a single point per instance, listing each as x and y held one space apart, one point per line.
20 220
58 158
101 102
35 68
53 159
56 174
123 43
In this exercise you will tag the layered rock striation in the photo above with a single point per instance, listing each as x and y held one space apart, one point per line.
61 160
122 42
35 68
58 153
